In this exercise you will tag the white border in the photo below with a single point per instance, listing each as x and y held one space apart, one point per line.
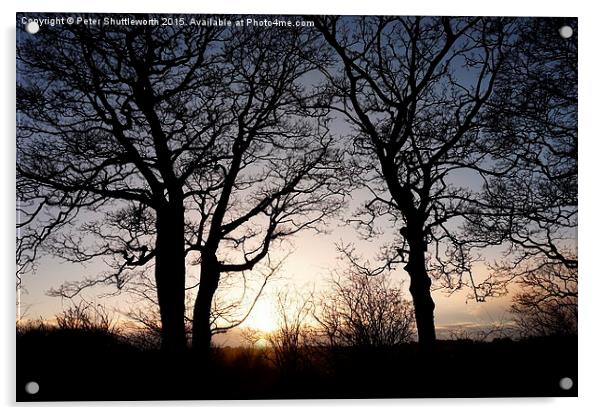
589 186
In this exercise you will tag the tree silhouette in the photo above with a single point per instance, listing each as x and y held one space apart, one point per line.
291 339
531 130
101 130
414 118
364 310
547 302
282 173
144 146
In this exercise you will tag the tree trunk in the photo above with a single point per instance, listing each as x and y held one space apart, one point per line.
420 289
201 321
170 276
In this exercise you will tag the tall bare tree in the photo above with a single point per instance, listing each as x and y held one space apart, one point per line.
282 174
411 88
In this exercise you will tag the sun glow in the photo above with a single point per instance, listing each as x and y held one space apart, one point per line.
263 318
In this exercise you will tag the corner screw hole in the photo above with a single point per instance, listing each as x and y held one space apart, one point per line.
566 32
32 388
566 383
32 28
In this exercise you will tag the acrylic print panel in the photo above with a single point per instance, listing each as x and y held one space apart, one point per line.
255 207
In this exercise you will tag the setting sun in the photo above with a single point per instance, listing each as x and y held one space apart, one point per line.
263 317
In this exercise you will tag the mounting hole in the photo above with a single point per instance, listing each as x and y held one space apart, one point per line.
32 388
566 383
566 32
32 27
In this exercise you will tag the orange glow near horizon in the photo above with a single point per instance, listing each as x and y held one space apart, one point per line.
262 318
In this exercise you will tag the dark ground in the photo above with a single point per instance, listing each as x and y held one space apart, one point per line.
77 365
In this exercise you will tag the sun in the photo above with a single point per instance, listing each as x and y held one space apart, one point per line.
262 317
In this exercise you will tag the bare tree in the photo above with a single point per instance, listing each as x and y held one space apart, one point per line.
87 316
411 89
547 302
157 146
363 309
281 174
530 128
250 336
112 123
291 340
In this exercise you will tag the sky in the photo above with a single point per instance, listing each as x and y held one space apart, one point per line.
311 260
308 267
